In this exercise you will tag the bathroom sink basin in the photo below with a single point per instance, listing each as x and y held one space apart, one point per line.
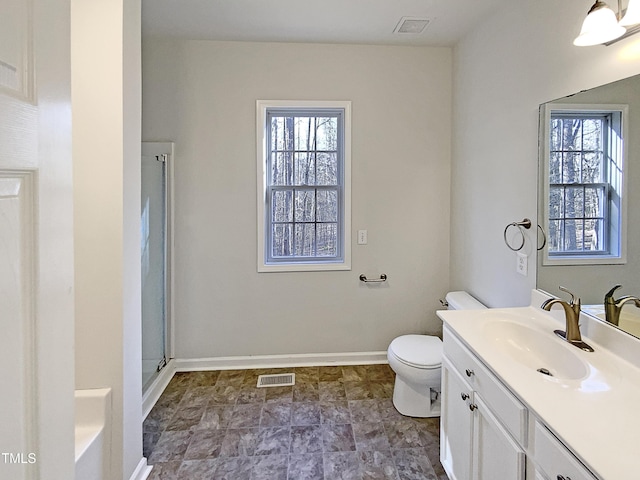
537 350
629 321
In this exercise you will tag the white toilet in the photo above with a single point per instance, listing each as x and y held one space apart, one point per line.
417 361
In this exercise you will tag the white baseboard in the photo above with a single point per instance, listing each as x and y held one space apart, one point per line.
153 393
280 361
142 471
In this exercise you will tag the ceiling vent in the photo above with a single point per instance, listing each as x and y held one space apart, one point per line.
411 25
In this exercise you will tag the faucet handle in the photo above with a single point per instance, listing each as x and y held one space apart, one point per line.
609 294
573 297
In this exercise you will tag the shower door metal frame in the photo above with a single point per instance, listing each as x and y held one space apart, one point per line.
166 150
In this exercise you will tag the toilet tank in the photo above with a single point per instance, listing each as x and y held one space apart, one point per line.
462 301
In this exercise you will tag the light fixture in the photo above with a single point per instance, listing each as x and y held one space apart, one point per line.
604 26
600 26
632 15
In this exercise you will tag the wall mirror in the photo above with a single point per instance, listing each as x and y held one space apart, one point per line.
589 169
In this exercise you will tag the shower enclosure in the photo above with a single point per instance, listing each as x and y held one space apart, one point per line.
155 258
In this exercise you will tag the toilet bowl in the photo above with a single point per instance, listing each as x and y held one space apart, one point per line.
417 362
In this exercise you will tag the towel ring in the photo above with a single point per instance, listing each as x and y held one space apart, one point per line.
544 238
526 223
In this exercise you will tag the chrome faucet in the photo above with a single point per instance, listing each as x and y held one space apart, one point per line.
613 307
572 316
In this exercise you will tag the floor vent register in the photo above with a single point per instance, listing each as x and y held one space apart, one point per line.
277 380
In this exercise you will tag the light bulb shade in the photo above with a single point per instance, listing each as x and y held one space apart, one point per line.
632 15
600 26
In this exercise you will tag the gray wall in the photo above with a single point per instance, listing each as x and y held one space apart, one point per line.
202 96
503 71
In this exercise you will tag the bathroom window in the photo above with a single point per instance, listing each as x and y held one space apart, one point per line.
584 184
303 185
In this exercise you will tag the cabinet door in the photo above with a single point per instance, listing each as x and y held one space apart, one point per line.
553 458
496 455
456 425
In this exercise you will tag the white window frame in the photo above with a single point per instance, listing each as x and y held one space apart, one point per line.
262 129
618 254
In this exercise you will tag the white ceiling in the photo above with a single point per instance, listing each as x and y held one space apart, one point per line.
313 21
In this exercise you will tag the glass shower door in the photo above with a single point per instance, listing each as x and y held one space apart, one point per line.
154 266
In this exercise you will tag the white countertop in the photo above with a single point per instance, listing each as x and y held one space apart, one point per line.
596 416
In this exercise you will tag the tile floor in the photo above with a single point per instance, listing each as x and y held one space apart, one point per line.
336 423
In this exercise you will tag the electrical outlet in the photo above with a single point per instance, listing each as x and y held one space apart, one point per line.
521 263
362 237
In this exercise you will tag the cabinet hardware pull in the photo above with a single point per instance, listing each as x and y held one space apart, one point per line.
469 372
473 407
562 477
464 396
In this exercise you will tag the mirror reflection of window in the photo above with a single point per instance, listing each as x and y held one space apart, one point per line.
584 163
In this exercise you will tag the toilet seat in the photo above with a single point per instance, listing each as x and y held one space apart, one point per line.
418 351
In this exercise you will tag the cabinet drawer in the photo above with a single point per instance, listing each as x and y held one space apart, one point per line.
553 458
505 406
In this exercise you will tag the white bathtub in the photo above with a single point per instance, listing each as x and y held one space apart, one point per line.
92 431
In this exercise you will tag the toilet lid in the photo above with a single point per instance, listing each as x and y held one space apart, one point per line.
421 351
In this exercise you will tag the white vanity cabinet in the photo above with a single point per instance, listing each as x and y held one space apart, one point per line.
487 433
477 441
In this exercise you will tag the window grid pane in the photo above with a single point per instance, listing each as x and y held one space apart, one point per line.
577 194
305 205
295 144
282 206
577 216
327 239
308 230
304 190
